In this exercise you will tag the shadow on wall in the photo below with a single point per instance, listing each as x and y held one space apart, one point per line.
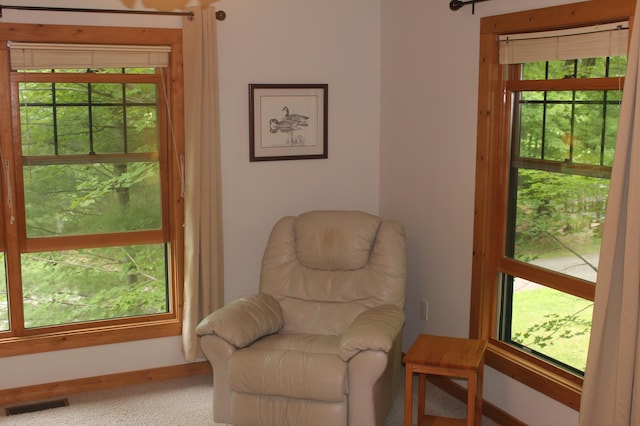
165 5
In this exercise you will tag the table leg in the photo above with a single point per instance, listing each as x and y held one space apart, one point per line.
471 398
479 395
408 391
421 395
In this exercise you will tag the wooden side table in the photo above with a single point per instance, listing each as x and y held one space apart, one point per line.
445 356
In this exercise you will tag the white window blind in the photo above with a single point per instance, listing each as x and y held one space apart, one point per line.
50 55
576 43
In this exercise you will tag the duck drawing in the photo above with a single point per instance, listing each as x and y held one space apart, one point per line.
285 126
288 127
299 119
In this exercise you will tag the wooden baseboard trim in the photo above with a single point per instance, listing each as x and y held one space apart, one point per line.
47 391
488 409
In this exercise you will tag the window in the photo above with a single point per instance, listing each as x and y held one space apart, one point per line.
562 143
92 209
548 121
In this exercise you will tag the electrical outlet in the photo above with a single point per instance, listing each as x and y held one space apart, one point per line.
424 309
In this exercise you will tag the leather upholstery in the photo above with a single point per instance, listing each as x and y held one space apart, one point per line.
320 343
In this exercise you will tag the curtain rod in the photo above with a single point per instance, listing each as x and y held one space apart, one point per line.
220 15
457 4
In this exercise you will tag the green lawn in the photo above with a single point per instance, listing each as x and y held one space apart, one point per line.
553 323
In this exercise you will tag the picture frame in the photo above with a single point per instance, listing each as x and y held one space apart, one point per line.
288 121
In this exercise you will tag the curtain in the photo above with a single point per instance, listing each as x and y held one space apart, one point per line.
203 280
611 390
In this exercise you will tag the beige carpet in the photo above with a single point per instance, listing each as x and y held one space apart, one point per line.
181 402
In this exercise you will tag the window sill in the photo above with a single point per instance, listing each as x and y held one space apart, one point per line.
552 381
13 346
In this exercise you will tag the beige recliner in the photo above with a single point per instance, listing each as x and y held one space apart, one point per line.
320 343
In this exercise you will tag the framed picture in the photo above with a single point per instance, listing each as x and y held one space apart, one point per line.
287 121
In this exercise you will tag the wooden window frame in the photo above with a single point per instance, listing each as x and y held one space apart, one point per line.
492 170
118 330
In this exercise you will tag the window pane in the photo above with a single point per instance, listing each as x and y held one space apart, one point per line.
531 129
534 71
142 129
587 129
617 66
552 323
558 221
84 119
106 93
561 97
561 69
36 93
4 299
80 199
141 93
591 68
72 286
37 130
557 131
108 129
71 93
611 130
72 123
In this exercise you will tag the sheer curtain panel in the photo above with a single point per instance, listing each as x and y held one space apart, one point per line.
203 282
611 391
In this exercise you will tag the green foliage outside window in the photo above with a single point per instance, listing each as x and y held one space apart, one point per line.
97 198
558 215
86 285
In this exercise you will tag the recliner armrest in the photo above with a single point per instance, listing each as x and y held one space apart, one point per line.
373 330
244 321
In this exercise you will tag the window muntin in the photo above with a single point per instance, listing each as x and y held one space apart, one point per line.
562 144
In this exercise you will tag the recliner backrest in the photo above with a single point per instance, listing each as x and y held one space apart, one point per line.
326 267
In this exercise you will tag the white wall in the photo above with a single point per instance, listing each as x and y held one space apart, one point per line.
293 41
275 41
427 172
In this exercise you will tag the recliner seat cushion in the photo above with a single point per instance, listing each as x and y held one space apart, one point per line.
296 366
